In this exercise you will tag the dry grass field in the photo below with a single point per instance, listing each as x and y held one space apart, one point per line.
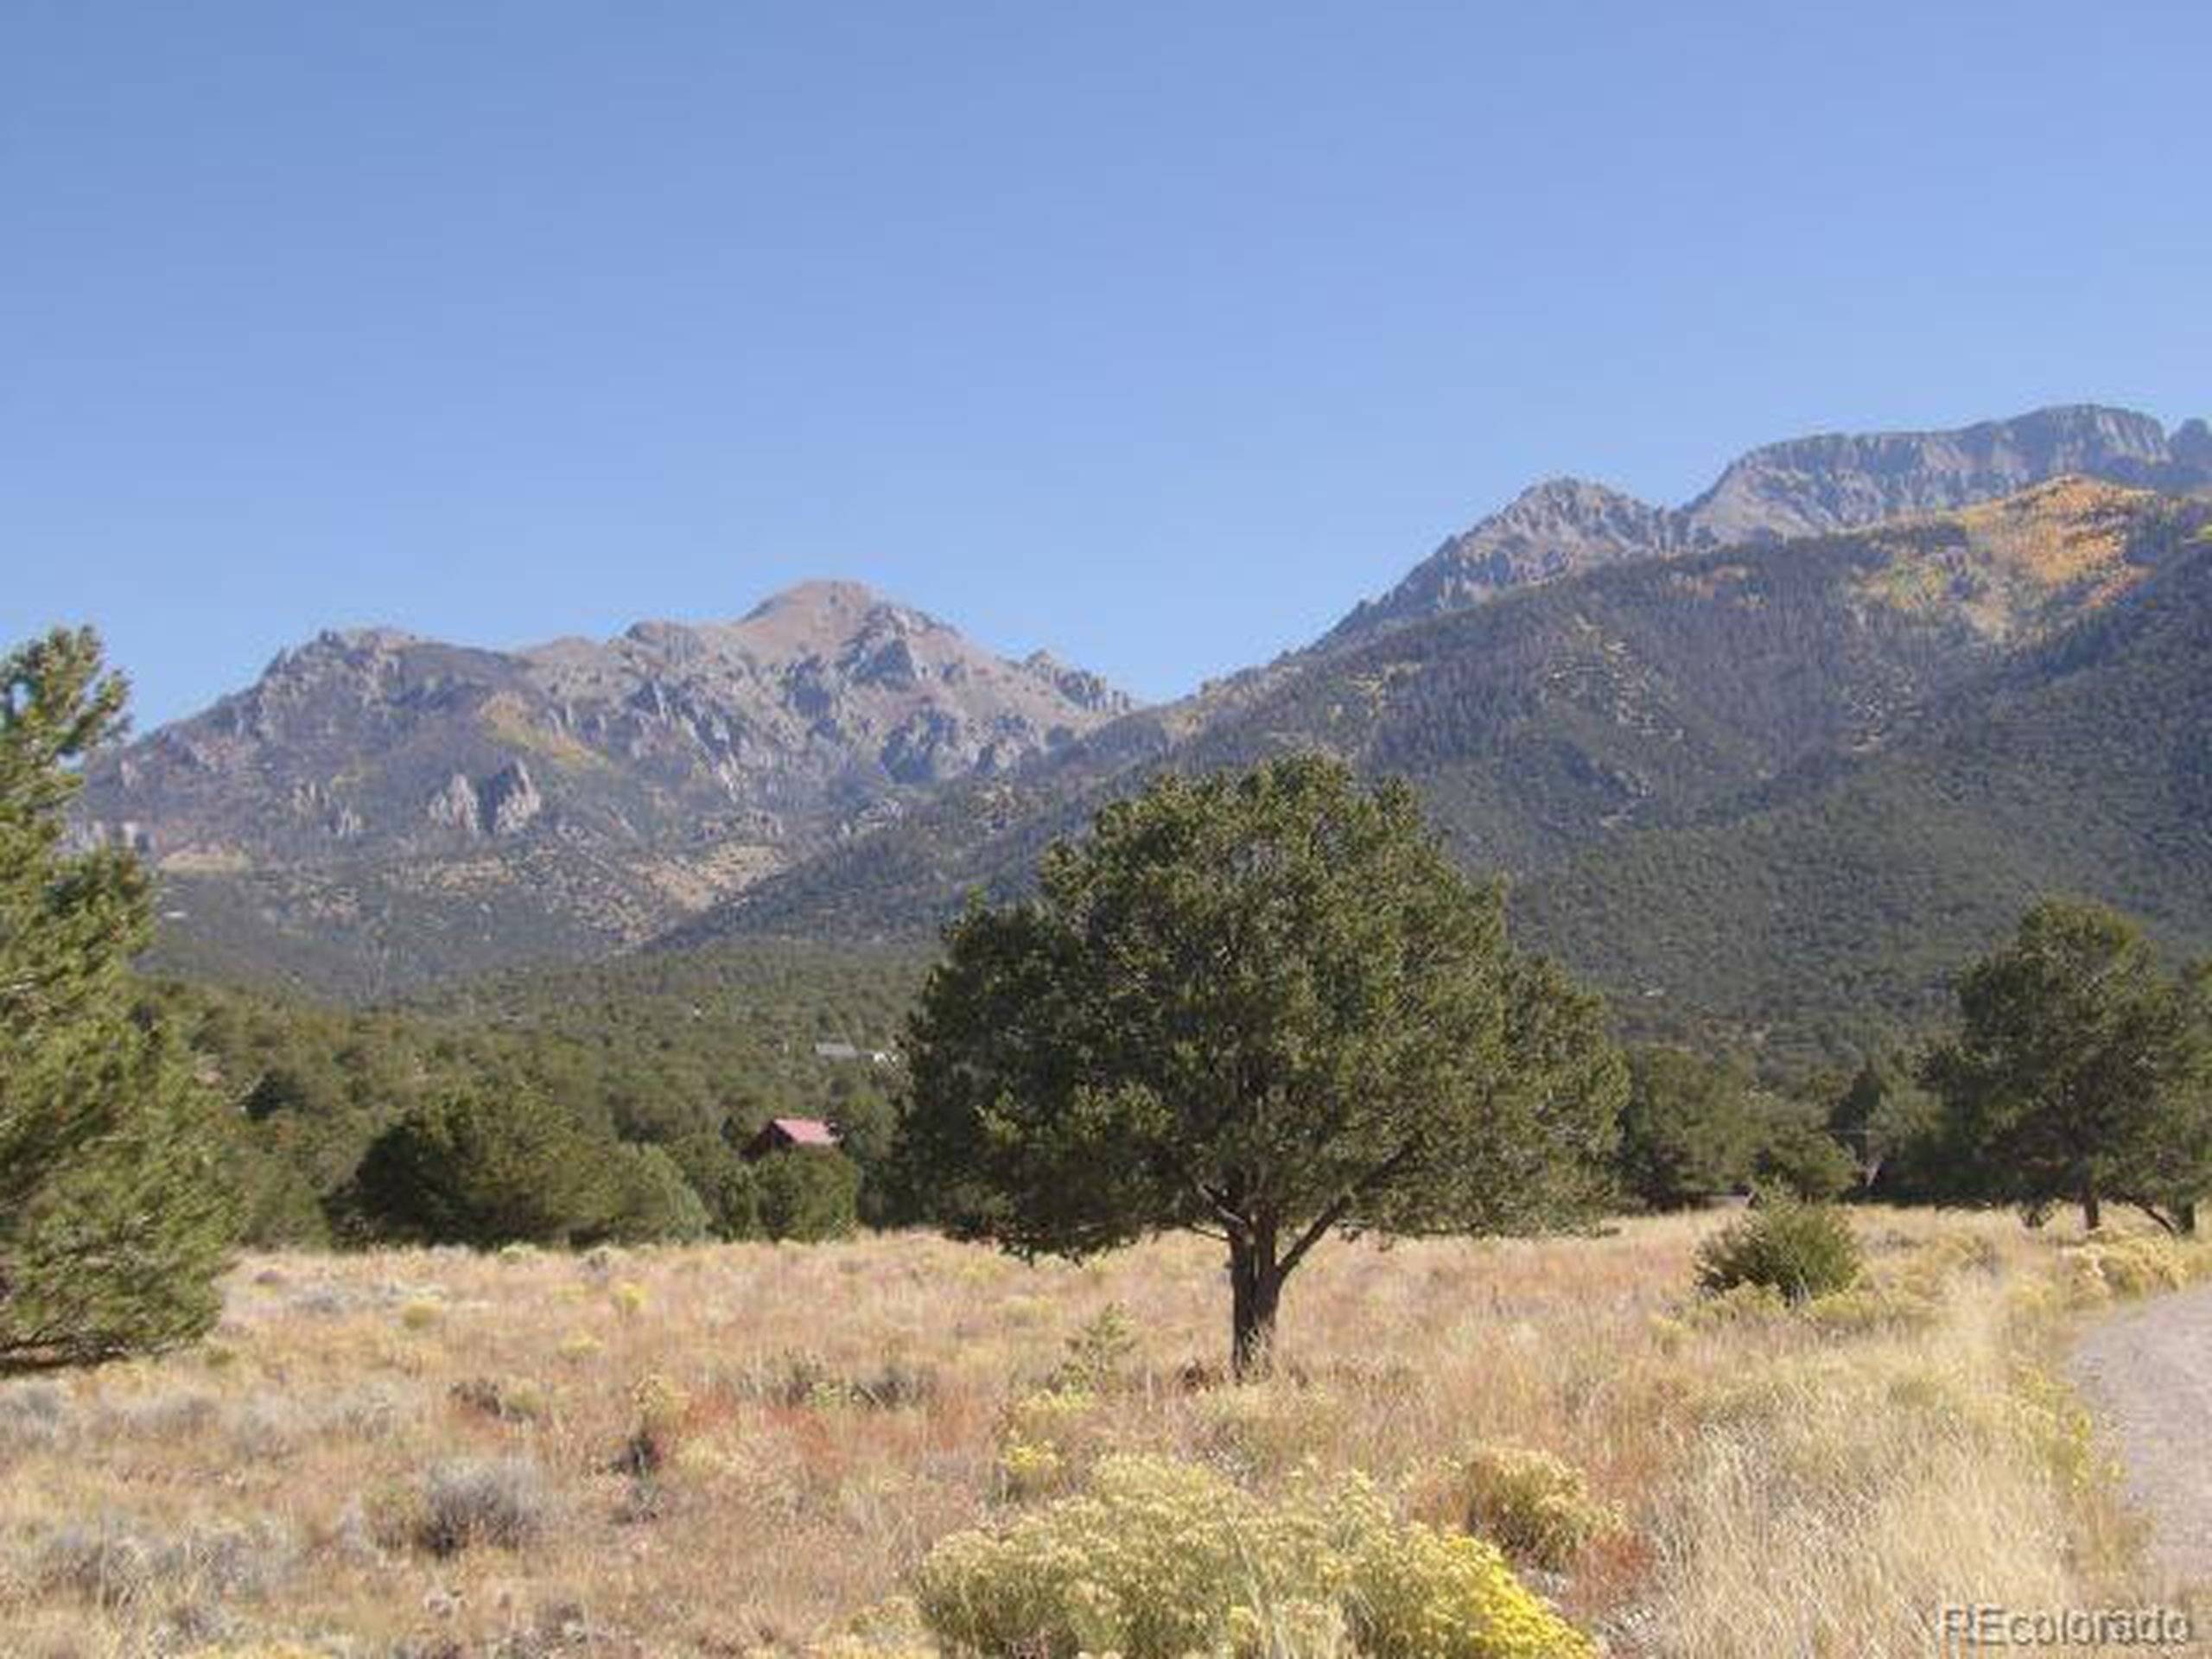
747 1449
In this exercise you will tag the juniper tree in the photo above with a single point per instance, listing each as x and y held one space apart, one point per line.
2076 1074
1892 1127
2177 1169
485 1168
1264 1008
654 1201
1688 1129
806 1193
115 1216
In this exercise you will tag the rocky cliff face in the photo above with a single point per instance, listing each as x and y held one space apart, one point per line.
1800 487
581 792
1808 486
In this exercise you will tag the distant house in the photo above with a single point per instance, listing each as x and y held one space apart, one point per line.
782 1134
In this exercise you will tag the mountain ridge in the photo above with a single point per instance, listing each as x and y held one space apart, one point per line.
1796 486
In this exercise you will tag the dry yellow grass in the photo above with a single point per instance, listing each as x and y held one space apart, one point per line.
746 1449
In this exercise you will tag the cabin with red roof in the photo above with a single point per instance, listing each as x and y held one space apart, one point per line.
782 1134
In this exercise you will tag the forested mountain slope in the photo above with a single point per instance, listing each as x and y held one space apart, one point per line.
1843 893
1860 748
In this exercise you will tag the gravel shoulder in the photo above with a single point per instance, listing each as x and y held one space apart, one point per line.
2147 1372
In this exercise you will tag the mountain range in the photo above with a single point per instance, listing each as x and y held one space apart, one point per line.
1776 756
380 809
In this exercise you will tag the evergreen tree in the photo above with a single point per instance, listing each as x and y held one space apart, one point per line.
2076 1073
1687 1132
1893 1130
724 1181
1794 1156
115 1214
806 1193
2174 1170
1264 1008
488 1170
653 1202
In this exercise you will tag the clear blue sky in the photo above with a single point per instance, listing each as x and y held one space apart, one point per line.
1156 335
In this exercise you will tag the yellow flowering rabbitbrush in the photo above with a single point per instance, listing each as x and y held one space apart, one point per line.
1536 1507
1161 1559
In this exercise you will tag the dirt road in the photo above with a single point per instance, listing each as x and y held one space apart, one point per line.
2147 1371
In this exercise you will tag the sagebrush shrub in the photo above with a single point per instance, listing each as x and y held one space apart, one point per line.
1801 1250
473 1501
1160 1559
509 1399
795 1378
34 1414
110 1561
1533 1506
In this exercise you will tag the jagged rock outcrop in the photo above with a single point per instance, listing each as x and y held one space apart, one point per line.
455 807
1085 690
508 800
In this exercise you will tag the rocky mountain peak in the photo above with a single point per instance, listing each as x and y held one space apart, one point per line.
817 596
1576 507
822 617
339 649
1550 529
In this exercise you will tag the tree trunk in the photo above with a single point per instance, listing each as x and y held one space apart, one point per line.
2185 1218
2092 1211
1254 1289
